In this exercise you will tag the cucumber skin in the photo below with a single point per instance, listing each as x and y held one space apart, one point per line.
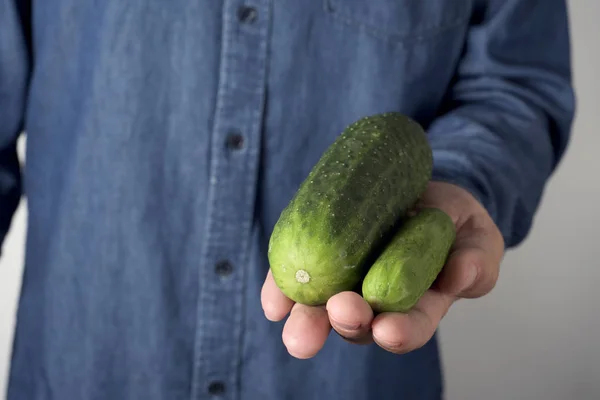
363 184
410 263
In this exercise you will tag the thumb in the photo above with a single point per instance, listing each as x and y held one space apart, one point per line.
473 264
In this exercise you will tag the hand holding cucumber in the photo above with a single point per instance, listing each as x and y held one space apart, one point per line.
368 217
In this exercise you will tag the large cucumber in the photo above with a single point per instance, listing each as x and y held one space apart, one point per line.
363 184
410 263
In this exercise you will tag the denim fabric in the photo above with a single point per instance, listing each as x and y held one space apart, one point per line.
165 137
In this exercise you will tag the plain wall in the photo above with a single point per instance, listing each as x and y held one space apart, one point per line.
535 336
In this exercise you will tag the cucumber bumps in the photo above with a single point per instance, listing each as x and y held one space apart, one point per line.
409 264
364 183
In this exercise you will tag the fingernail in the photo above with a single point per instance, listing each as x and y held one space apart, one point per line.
346 326
470 278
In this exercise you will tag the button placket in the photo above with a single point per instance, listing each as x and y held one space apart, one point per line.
234 166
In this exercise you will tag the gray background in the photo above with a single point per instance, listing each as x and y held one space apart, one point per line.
535 336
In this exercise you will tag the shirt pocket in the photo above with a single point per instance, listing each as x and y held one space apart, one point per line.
399 20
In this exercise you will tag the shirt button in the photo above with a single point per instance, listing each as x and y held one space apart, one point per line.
235 141
223 268
216 388
247 14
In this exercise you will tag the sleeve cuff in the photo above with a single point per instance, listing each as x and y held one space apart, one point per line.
450 167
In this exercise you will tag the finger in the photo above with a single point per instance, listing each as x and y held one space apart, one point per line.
306 330
351 316
404 332
473 265
274 303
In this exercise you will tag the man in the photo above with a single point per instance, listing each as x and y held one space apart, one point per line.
165 137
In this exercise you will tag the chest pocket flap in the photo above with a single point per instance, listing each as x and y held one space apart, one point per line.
399 20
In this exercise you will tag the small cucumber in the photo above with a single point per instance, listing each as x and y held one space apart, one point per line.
410 262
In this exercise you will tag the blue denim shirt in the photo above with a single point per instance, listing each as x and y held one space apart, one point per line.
165 137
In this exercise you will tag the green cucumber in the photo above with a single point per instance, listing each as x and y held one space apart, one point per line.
366 181
410 262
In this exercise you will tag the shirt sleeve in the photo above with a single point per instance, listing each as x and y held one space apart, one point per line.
14 65
507 120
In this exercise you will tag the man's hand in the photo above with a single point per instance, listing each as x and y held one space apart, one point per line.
471 271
